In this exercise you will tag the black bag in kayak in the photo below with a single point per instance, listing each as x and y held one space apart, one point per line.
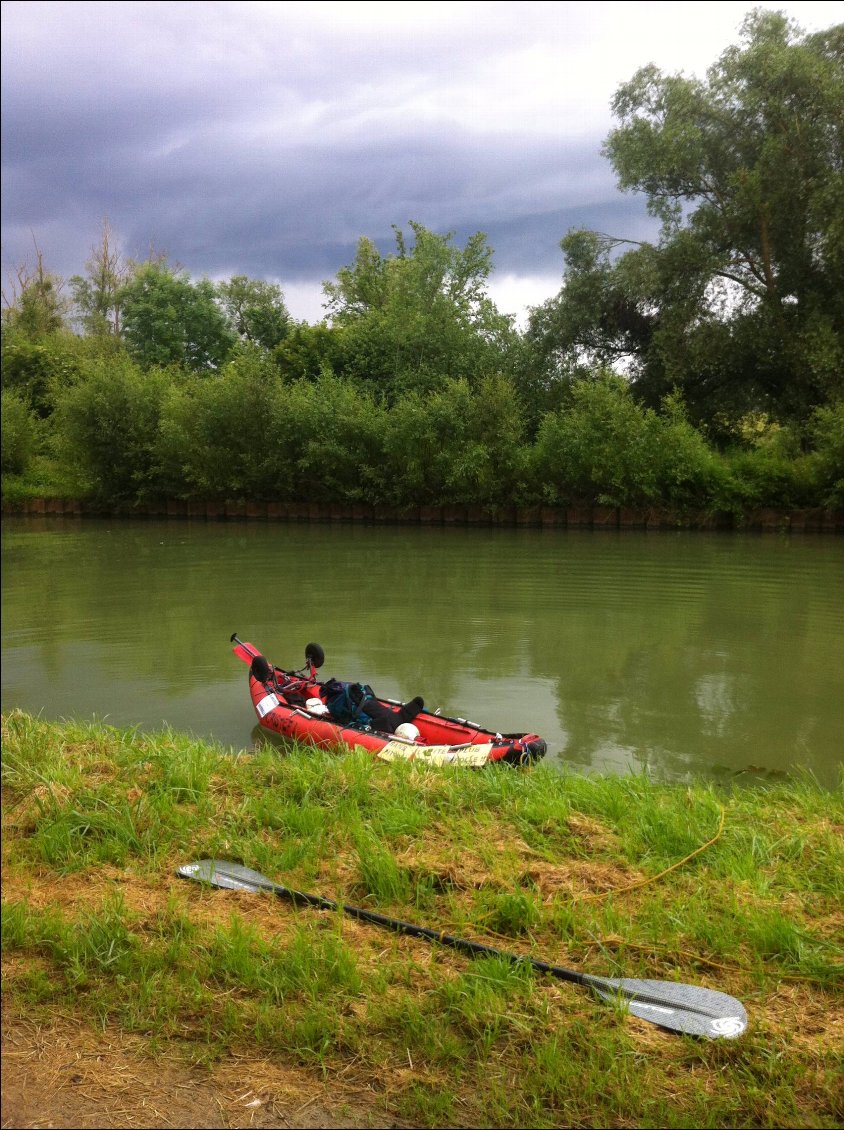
346 702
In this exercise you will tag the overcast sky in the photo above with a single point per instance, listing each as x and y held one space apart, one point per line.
265 138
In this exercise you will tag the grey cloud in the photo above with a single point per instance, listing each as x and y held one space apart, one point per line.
286 198
242 145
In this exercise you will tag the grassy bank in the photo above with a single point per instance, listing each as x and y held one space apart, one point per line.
96 925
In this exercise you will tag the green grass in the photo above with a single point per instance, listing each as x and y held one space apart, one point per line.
97 925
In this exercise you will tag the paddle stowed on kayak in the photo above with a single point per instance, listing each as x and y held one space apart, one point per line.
297 705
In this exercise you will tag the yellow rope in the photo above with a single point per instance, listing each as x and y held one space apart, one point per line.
653 878
684 953
639 882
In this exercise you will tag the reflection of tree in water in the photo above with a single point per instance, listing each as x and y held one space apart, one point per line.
673 652
698 678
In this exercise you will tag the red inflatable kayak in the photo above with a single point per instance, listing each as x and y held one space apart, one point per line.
295 704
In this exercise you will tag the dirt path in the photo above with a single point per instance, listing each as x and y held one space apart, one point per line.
67 1075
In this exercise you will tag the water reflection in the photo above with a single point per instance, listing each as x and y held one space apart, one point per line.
672 652
717 701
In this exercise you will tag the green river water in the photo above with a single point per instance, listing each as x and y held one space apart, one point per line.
679 653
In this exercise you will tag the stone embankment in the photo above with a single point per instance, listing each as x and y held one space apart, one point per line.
815 520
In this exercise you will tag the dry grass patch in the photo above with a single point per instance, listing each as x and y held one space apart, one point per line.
68 1074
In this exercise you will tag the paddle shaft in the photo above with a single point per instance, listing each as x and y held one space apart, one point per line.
413 931
244 651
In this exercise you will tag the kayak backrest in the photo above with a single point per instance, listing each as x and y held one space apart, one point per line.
260 669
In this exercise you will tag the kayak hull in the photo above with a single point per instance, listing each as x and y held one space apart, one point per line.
443 741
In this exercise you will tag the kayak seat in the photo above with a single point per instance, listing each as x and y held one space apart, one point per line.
261 670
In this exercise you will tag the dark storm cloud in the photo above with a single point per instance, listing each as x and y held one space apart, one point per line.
297 209
289 212
266 138
249 138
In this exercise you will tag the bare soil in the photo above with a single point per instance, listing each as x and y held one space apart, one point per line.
68 1075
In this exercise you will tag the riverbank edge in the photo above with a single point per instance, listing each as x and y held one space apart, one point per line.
764 519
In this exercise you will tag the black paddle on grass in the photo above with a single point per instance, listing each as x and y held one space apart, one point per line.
682 1008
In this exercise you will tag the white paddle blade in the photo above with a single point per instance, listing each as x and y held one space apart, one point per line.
220 873
682 1008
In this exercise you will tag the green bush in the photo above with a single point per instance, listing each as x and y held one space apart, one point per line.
762 476
328 436
80 418
457 445
245 433
107 427
216 437
307 350
826 463
40 370
603 447
20 432
687 470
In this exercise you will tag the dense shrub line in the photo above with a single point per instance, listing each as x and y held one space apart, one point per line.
119 434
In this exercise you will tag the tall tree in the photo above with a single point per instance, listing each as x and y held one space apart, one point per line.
255 310
741 300
98 294
33 304
414 319
37 350
168 319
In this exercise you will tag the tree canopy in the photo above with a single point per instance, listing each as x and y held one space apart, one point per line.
255 310
413 319
98 294
740 302
167 319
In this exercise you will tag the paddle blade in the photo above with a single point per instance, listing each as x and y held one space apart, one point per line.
682 1008
245 651
221 873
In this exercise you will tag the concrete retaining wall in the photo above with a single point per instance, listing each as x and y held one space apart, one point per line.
576 517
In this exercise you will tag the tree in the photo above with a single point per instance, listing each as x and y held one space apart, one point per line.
39 353
741 300
39 370
605 447
98 295
606 315
20 432
417 318
255 310
167 319
310 350
216 437
456 445
33 304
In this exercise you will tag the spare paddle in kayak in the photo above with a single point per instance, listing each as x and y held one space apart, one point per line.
245 651
681 1008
